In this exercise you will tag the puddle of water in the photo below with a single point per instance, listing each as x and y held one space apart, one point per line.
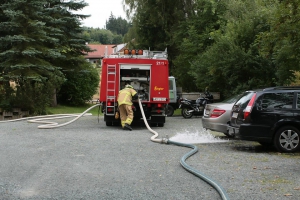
196 137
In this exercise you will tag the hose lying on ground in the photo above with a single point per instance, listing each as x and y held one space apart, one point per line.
219 189
49 124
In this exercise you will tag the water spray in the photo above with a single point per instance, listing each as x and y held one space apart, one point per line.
219 189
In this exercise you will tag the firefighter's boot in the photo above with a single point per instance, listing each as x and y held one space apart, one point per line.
127 126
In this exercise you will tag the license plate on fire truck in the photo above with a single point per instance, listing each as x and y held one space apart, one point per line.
159 99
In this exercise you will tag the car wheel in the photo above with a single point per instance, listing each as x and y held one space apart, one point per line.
169 111
185 113
287 139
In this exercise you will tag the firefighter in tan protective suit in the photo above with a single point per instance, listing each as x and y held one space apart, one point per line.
125 97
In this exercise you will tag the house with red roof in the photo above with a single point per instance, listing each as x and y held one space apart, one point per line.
99 52
102 50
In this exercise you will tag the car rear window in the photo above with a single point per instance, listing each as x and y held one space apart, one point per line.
275 101
232 99
244 100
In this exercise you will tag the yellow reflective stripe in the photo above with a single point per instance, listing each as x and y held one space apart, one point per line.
123 123
127 93
128 121
124 91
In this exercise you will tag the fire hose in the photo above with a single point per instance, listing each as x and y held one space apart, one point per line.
44 119
216 186
49 125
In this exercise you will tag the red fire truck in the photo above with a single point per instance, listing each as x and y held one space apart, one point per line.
148 72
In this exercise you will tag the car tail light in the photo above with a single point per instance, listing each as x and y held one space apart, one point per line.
249 107
217 113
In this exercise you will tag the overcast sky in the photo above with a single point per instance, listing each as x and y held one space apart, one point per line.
100 11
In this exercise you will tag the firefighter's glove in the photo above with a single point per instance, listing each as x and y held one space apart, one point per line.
134 108
135 97
117 115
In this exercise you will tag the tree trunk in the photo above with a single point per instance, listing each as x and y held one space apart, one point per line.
54 100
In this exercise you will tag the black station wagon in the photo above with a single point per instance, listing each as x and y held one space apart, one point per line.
270 116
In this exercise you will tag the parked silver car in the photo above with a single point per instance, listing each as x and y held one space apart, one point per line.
216 115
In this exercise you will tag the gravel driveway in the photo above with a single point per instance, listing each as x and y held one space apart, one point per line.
87 160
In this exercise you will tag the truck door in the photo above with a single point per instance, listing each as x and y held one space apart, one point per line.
172 90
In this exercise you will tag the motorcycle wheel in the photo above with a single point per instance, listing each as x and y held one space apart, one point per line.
185 113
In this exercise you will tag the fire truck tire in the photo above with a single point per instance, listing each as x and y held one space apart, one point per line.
169 110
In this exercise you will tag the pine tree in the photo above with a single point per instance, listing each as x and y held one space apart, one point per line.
39 42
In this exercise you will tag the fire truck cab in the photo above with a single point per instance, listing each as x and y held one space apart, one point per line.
148 72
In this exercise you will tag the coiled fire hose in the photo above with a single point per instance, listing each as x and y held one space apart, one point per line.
217 187
44 119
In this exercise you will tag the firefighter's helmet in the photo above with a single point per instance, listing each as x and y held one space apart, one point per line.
128 86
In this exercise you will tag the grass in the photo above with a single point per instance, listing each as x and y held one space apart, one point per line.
61 109
177 112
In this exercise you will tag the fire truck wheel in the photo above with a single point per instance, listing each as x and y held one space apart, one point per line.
169 111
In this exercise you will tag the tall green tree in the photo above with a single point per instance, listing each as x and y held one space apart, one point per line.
25 41
233 63
25 52
39 41
181 26
228 45
282 41
118 25
193 37
155 22
71 44
100 36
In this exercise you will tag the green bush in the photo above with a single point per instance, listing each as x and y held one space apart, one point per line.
7 95
32 94
36 95
79 87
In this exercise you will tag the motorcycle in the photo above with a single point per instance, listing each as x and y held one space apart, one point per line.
195 107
